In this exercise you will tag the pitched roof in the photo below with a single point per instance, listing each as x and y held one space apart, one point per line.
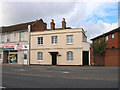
105 34
16 27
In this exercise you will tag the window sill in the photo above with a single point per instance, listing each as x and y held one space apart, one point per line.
70 61
69 44
40 44
54 44
39 60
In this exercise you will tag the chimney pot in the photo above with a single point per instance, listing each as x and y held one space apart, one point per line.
52 25
63 24
52 20
63 19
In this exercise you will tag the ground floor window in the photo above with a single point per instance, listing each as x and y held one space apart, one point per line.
25 55
12 58
40 56
70 56
0 56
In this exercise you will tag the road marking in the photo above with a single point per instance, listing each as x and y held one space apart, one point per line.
22 69
65 72
19 69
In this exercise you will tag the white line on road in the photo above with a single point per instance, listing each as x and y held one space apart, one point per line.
65 72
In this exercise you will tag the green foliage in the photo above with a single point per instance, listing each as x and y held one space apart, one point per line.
99 47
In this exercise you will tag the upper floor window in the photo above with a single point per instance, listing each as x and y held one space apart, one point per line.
8 37
112 36
69 56
21 36
99 41
69 39
54 40
40 40
106 38
2 38
40 56
94 41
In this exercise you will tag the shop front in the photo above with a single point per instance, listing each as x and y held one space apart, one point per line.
16 54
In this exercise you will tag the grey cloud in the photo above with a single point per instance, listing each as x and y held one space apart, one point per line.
93 29
26 11
74 12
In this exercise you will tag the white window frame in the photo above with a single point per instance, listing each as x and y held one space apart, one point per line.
54 40
106 38
21 36
40 40
40 56
69 56
2 38
8 37
94 41
112 36
69 39
99 41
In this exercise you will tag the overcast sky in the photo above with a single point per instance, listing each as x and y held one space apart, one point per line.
93 16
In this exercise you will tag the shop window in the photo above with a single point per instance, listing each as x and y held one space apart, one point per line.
13 51
0 56
54 40
12 58
40 56
69 39
69 56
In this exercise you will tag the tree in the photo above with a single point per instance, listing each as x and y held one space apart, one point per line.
99 48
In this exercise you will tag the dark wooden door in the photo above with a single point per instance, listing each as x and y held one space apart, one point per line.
54 58
85 58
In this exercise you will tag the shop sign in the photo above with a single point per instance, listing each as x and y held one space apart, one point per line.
7 47
21 47
18 47
15 47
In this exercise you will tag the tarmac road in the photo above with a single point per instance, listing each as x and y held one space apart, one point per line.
59 77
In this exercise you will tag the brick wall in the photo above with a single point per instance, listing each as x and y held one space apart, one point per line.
111 57
99 60
38 26
113 42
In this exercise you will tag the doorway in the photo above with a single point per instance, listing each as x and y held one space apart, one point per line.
85 57
5 56
54 57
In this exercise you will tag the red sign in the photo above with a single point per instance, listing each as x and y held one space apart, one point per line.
19 47
3 47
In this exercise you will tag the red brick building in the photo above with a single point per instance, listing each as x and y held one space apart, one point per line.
112 50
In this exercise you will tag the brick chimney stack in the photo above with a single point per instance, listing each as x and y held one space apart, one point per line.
52 25
63 24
